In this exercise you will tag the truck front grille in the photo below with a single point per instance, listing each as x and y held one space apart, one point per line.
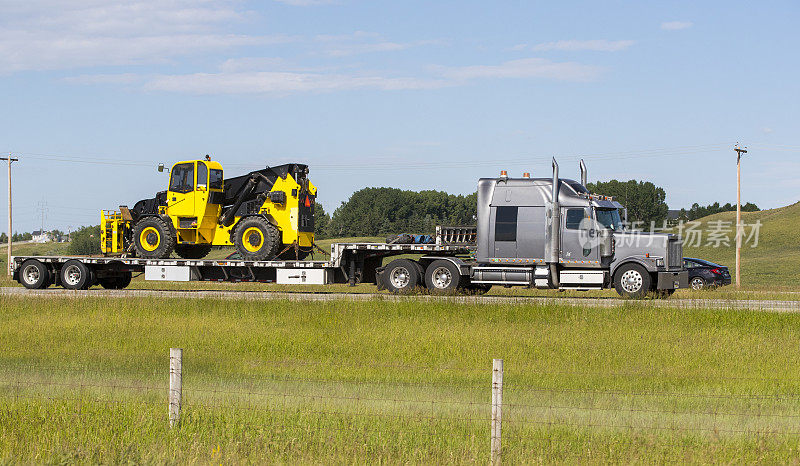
674 253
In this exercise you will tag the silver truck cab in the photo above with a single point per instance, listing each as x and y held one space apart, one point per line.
553 233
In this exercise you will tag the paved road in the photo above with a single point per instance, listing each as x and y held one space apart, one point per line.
763 305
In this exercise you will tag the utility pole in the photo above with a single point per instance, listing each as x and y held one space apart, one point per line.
739 227
43 210
9 159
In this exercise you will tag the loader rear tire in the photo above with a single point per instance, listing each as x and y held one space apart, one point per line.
192 251
153 238
256 239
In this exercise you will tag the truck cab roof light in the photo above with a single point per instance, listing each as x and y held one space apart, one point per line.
526 175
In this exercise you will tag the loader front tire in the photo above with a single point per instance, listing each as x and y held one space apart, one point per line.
153 239
256 239
192 251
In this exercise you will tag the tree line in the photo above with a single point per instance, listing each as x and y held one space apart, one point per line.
699 211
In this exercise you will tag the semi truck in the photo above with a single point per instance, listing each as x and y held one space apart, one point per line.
546 233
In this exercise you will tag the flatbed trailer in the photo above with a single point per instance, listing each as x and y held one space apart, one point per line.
349 263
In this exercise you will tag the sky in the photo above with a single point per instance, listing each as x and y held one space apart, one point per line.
413 94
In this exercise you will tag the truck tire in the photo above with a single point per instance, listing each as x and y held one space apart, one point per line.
34 275
75 275
116 282
192 251
632 281
153 239
442 276
401 276
255 239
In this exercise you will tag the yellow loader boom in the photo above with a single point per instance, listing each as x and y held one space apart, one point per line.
266 214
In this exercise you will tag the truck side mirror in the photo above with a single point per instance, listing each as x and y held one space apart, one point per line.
160 167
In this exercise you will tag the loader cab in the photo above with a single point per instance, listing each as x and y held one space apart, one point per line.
193 199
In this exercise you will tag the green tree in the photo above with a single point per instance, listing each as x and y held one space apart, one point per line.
3 238
644 200
85 241
321 221
379 211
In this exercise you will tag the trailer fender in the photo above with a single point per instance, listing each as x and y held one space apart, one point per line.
463 267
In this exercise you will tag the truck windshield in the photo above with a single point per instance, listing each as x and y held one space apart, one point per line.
609 218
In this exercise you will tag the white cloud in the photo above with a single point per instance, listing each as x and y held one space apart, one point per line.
579 45
676 25
526 68
122 78
48 34
268 82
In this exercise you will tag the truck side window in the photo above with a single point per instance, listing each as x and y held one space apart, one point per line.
505 224
216 179
574 218
182 180
202 174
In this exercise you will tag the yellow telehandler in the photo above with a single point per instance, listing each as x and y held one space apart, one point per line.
266 214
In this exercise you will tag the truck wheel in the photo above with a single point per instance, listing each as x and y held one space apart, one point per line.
255 239
34 275
442 276
192 251
75 275
401 276
153 238
632 281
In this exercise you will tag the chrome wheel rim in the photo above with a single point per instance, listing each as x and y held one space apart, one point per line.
697 283
400 277
442 278
72 275
632 281
31 274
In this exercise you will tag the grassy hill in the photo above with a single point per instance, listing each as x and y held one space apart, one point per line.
773 262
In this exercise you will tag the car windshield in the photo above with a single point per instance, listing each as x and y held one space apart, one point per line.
609 218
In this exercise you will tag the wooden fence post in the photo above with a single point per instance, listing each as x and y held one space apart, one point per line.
175 385
497 409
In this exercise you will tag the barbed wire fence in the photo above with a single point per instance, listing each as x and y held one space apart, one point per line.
561 414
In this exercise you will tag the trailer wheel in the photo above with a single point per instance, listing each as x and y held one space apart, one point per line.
401 276
632 281
153 238
256 239
192 251
442 276
34 275
75 275
116 282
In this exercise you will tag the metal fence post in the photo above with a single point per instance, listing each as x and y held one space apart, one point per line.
497 409
175 385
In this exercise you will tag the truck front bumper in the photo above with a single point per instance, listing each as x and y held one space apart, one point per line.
672 280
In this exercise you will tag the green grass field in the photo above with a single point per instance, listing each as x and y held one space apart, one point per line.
344 382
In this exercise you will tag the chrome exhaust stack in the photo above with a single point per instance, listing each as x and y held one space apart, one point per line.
554 231
583 174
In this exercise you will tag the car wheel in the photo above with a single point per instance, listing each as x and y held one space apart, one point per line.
697 283
632 281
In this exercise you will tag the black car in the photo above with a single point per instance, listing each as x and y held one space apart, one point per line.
705 274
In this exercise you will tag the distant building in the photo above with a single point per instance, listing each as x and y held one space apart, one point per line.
40 237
